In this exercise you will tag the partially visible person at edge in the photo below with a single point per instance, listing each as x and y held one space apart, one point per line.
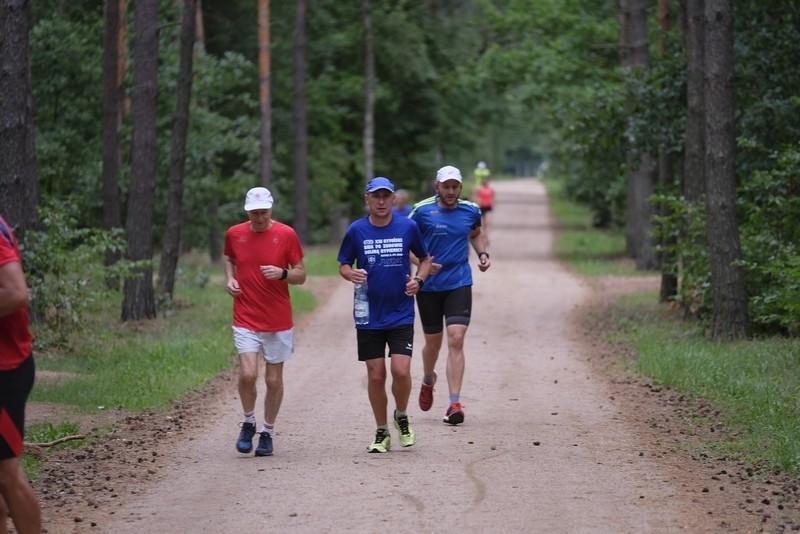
401 206
17 372
484 197
449 225
263 256
481 173
379 245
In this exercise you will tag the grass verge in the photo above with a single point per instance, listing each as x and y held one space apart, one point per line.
149 364
590 251
753 385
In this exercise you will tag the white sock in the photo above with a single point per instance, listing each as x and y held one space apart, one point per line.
268 428
250 418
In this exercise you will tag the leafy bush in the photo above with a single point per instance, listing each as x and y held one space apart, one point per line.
682 234
65 272
770 237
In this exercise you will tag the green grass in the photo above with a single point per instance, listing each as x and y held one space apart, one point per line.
754 384
590 251
321 260
150 364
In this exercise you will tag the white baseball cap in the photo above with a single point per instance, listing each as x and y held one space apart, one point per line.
448 173
258 198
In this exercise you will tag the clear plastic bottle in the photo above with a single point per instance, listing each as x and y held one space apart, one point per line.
361 304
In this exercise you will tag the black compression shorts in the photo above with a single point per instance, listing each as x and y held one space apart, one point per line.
15 385
455 306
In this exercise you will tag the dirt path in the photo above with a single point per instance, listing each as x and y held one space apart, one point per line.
544 448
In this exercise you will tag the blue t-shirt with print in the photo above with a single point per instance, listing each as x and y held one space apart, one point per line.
383 252
446 232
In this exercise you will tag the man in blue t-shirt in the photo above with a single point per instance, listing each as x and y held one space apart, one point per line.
379 245
449 225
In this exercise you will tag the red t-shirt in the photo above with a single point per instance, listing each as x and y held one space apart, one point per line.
485 196
263 305
15 335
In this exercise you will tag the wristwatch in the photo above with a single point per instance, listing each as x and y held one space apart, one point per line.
284 274
420 281
482 254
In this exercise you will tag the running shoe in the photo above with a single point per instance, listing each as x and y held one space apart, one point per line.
245 442
382 443
407 436
264 444
455 414
426 395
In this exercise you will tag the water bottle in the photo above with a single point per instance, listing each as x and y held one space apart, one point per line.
361 304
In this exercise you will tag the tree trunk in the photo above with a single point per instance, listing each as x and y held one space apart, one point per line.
139 302
642 172
729 317
112 116
644 180
694 182
369 95
19 193
300 126
180 129
264 77
666 176
669 279
214 234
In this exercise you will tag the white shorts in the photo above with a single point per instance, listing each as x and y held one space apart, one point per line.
276 347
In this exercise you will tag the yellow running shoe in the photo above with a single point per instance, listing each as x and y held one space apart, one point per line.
382 443
407 436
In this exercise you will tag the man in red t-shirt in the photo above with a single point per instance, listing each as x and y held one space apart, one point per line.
263 256
16 381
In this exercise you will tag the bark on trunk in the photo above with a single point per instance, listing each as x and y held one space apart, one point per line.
19 190
300 126
666 176
139 300
642 172
180 131
729 317
694 182
369 95
112 113
264 95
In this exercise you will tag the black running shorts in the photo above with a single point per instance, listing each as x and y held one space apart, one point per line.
372 343
455 306
15 385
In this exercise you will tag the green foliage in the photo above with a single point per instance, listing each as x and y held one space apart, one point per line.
66 63
321 261
682 233
512 83
65 272
770 233
753 384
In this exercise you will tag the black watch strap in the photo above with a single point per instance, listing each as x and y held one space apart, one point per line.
420 281
284 274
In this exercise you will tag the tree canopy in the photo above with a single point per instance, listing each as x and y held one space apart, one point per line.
525 85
